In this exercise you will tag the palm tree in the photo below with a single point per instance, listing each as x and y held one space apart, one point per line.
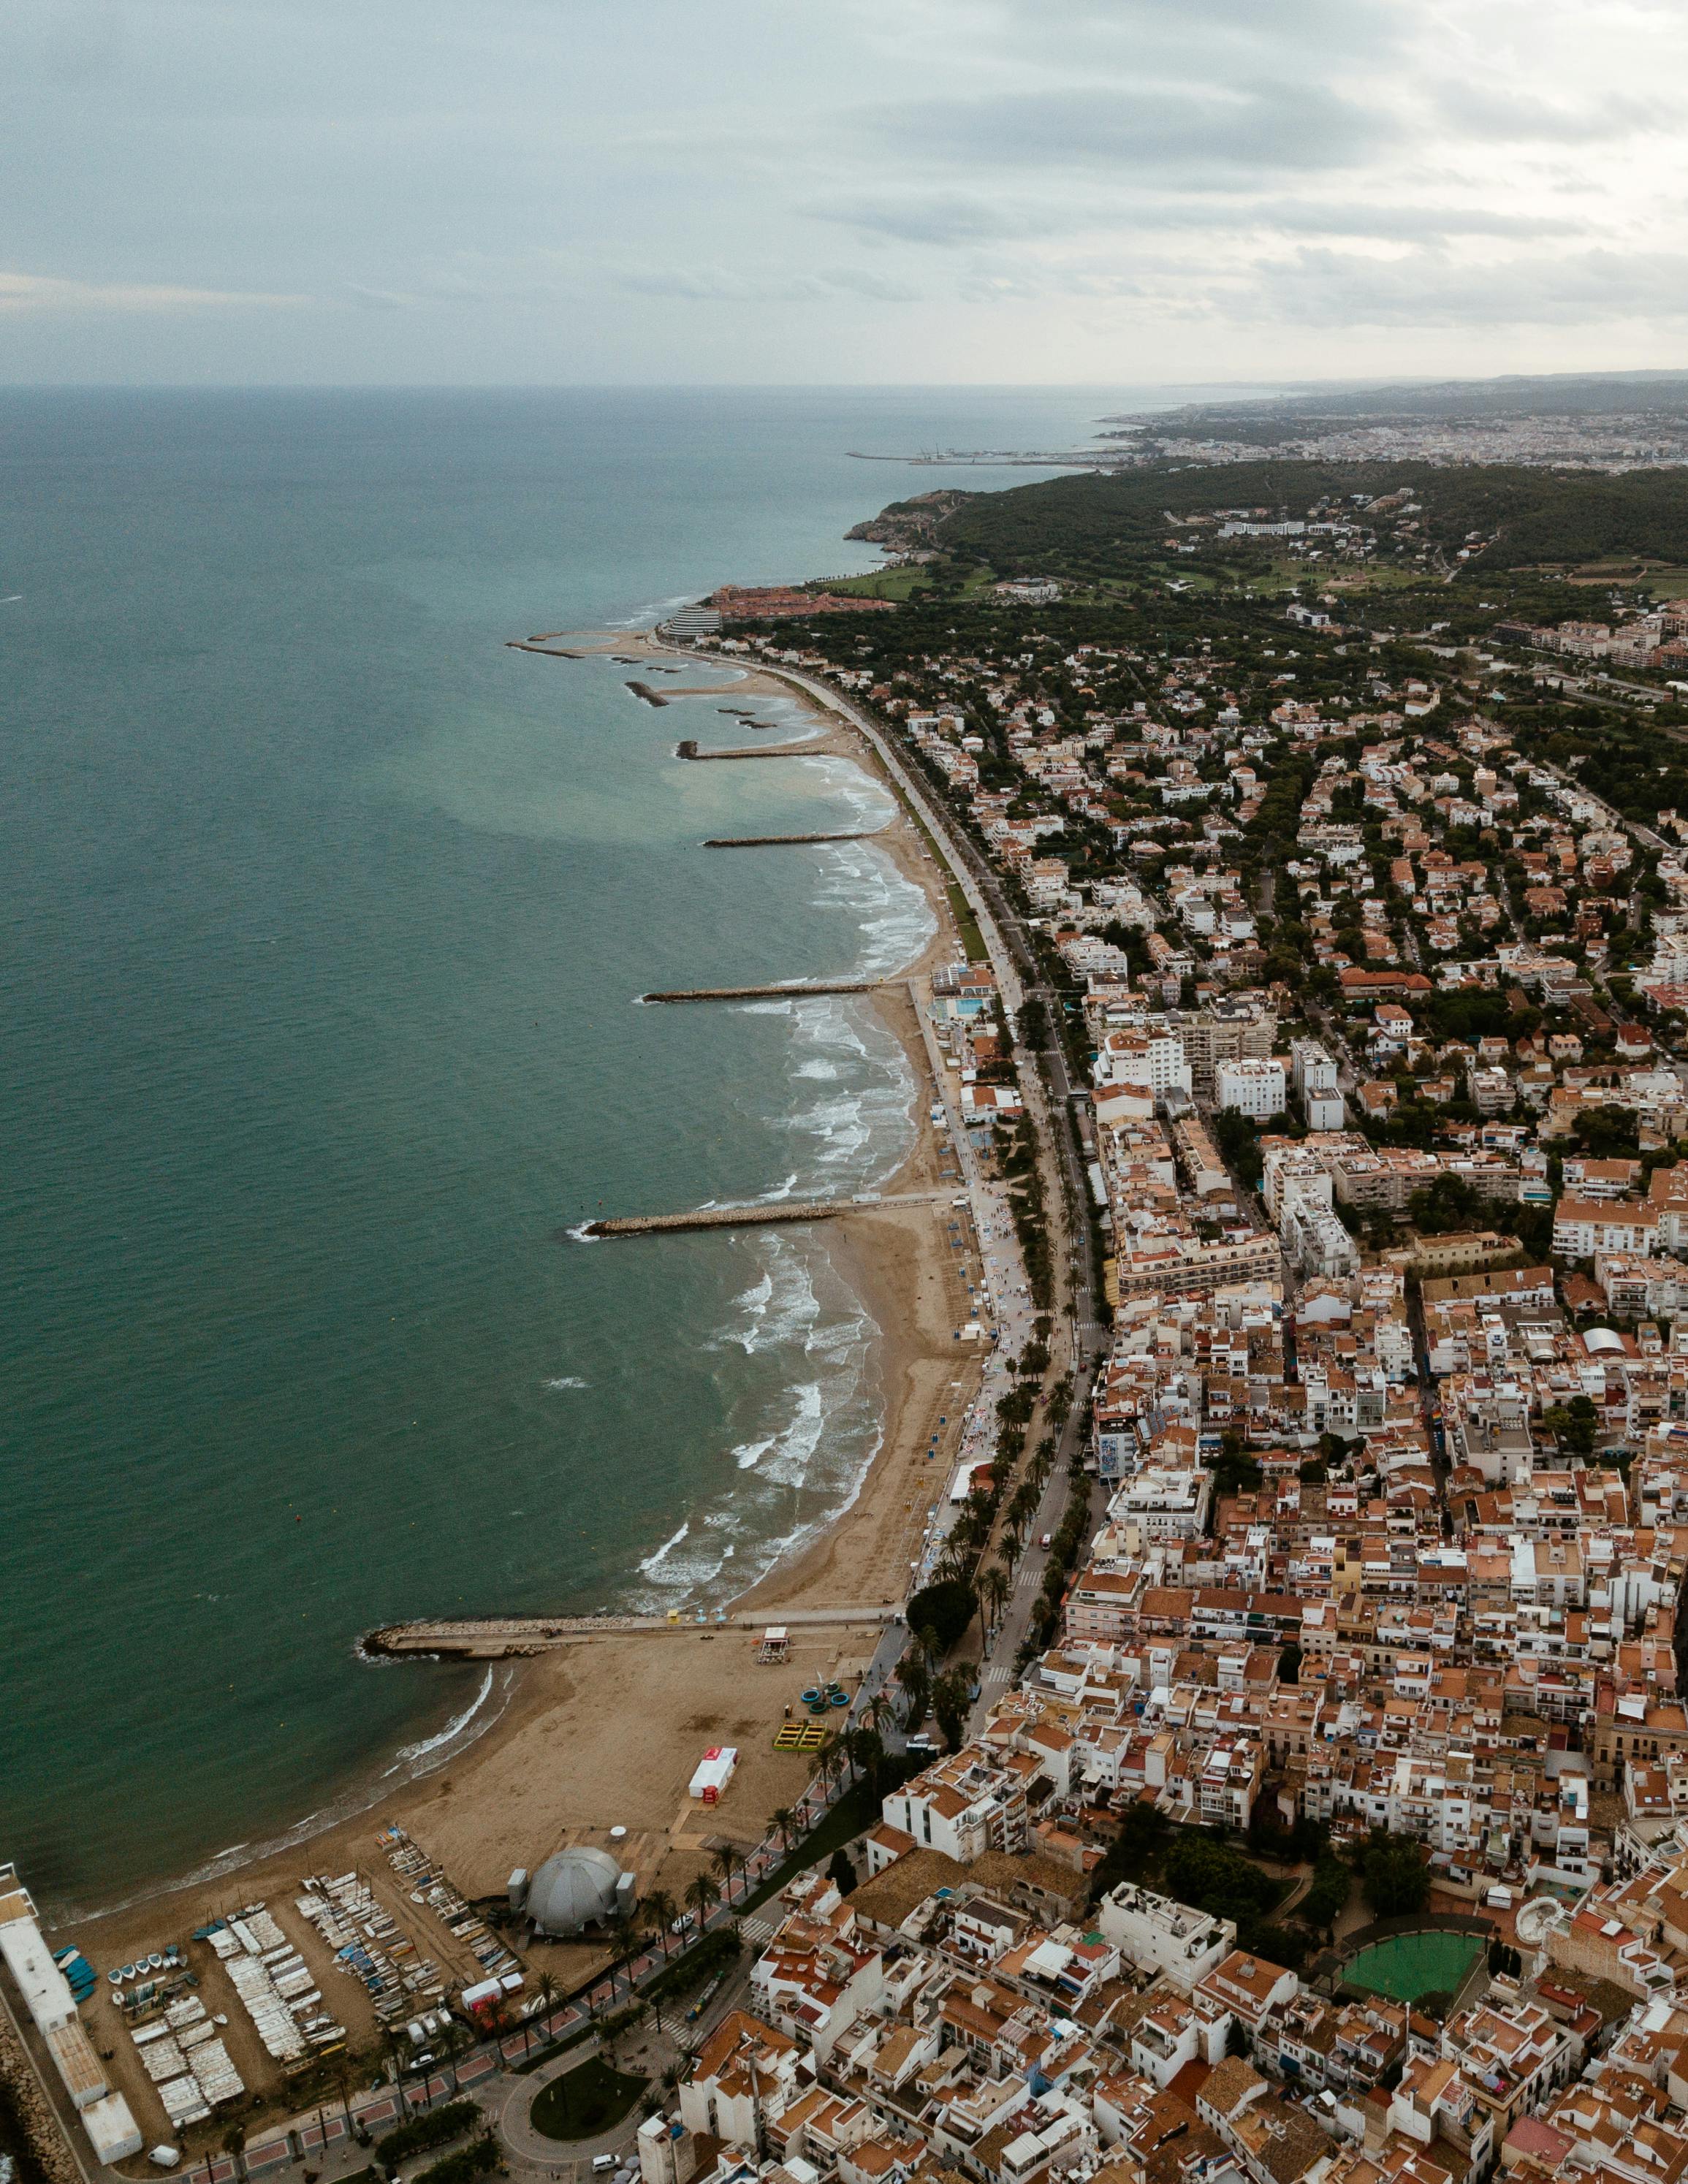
547 2001
234 2145
879 1711
950 1695
915 1679
660 1914
782 1820
703 1896
725 1860
343 2085
397 2059
994 1589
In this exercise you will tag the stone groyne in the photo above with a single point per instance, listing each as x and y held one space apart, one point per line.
784 1210
767 993
774 841
516 1637
817 747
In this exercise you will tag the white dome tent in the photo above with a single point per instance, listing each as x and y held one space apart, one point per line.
578 1888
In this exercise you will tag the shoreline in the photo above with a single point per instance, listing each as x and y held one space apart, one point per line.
498 1799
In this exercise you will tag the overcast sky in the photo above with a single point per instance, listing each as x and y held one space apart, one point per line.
828 191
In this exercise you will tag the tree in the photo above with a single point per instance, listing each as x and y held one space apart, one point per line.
783 1822
1573 1426
915 1679
1393 1876
951 1696
1235 1470
547 2001
660 1914
841 1873
1326 1898
702 1896
995 1585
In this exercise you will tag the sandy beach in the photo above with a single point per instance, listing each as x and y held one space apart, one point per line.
606 1733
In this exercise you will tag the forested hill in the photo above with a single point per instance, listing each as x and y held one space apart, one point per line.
1096 523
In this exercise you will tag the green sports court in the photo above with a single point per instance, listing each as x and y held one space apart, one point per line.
1407 1965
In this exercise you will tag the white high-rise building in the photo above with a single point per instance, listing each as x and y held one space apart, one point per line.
1254 1088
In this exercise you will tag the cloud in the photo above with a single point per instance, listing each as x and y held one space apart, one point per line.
41 292
1177 130
919 217
719 284
1329 289
1512 117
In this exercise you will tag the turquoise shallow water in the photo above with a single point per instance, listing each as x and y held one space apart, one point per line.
323 915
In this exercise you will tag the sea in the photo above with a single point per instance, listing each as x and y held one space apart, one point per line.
325 915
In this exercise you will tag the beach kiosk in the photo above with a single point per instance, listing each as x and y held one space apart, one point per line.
714 1773
776 1646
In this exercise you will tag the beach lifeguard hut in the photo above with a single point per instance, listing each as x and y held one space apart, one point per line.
776 1644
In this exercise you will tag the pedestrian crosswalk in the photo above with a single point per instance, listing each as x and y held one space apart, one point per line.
999 1674
756 1928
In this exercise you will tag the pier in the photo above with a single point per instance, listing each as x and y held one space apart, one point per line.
516 1637
816 747
773 841
776 1210
770 993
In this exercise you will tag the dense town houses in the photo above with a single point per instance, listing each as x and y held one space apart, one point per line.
1373 1014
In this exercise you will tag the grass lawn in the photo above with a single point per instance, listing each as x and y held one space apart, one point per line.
966 924
585 2102
884 583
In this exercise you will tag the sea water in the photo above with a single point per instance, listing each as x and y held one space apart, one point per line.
325 915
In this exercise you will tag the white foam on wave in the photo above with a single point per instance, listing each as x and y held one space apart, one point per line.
858 1126
653 1564
408 1754
893 916
648 616
798 1445
567 1381
795 1447
779 1308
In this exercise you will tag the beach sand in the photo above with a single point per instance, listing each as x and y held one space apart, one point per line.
606 1733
